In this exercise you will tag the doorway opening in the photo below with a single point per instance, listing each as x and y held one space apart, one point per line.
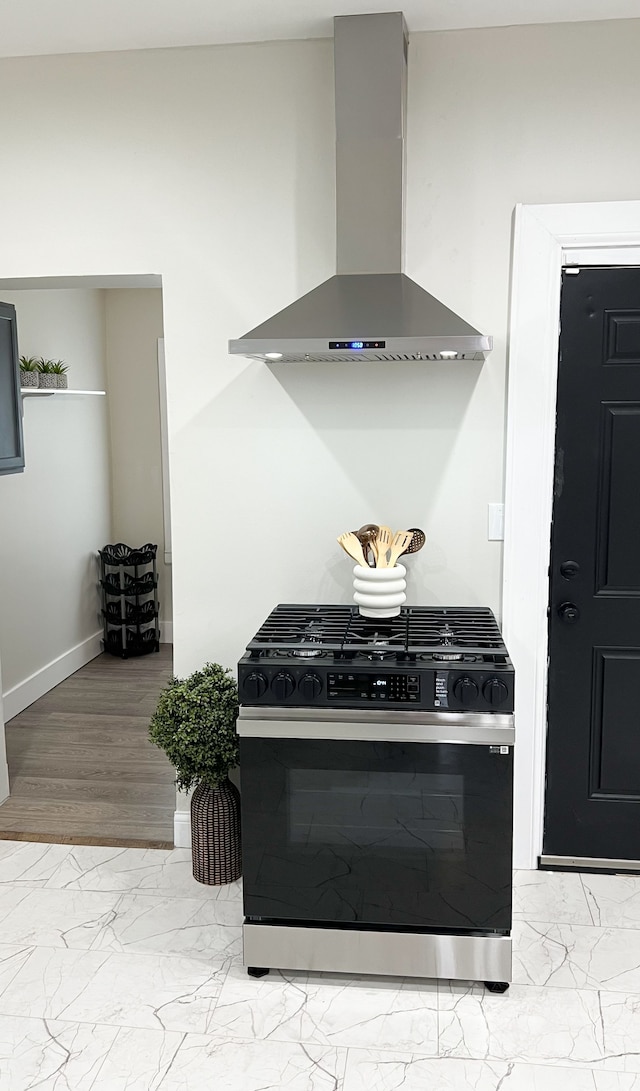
80 766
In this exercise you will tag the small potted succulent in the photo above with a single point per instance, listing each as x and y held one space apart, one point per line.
47 379
28 371
59 369
195 724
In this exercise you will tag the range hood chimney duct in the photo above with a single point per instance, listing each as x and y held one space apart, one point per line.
370 310
370 55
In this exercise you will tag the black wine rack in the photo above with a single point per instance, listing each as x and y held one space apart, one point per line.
130 607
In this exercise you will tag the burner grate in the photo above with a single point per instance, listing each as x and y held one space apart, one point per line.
470 630
445 633
300 627
375 638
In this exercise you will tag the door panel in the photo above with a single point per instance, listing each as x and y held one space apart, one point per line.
619 508
623 338
592 806
395 834
615 751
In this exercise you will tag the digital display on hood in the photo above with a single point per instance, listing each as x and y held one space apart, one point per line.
357 345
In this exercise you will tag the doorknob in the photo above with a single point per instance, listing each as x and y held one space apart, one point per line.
569 612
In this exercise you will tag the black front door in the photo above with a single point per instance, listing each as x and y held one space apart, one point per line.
386 834
593 747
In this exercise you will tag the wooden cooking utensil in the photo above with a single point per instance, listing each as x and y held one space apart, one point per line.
352 546
399 544
381 544
417 540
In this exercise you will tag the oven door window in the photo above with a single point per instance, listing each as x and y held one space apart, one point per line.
390 834
385 810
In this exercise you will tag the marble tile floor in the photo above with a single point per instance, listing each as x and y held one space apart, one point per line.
118 972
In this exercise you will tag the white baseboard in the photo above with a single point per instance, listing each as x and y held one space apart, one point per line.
18 698
166 632
182 829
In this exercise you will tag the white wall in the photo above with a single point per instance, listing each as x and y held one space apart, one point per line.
133 325
55 515
214 167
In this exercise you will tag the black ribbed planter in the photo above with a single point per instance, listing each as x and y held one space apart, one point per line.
215 834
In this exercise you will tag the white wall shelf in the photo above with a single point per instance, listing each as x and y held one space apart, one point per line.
35 392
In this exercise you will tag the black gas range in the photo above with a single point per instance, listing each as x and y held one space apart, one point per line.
425 658
376 760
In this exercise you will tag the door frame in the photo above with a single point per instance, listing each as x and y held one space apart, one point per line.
66 663
546 237
4 768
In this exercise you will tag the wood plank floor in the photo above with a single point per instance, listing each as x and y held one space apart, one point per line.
81 767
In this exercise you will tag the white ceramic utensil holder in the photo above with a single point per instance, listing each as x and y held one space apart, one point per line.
379 592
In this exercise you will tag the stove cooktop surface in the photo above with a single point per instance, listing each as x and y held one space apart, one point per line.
418 633
430 657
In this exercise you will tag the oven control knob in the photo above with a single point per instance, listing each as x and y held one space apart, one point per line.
283 685
255 685
495 692
310 686
465 691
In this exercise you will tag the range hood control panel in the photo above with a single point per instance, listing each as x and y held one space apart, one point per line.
356 345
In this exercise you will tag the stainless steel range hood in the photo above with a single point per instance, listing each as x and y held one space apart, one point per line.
370 310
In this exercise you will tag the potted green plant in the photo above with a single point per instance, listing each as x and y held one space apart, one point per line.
59 369
195 724
28 371
47 380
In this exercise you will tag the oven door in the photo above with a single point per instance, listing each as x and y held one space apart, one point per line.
398 820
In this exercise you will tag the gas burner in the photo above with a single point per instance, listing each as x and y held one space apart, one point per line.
291 653
311 651
310 644
448 657
377 647
379 653
375 640
447 639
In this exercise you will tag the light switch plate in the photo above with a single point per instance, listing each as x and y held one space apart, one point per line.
496 523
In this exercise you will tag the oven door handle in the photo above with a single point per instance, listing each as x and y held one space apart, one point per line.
477 729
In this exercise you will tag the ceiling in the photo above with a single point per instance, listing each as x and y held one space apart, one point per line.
86 26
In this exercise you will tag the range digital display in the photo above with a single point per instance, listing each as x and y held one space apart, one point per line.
387 687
